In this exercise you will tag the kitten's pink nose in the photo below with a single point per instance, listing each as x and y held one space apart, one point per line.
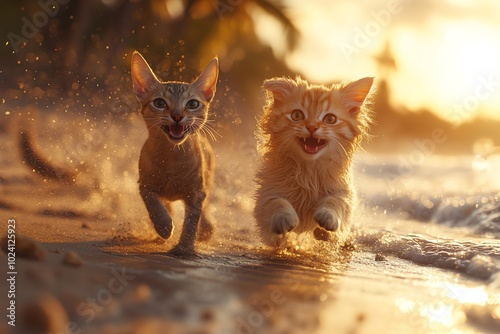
177 117
312 128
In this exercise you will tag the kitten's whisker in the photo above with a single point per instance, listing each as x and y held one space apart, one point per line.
282 142
352 145
342 146
152 121
211 132
208 130
208 133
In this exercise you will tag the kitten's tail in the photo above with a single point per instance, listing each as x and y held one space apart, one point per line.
39 164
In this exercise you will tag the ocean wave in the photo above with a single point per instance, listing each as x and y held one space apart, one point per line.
480 260
480 213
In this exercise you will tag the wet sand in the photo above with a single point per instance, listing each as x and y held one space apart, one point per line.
132 287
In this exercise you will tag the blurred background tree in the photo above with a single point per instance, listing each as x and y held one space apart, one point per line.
84 51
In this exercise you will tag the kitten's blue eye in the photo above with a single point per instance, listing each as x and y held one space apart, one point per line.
193 104
297 115
160 103
330 119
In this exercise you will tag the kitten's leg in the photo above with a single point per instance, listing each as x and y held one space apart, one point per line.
192 219
206 228
275 216
157 213
331 213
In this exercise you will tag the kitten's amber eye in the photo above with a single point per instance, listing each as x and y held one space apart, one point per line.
192 104
297 115
330 119
160 103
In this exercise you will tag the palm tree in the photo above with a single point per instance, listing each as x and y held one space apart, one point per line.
204 27
88 44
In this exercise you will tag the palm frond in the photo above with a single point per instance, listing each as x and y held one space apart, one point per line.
277 11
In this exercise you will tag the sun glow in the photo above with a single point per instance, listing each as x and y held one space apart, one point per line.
448 66
442 56
472 51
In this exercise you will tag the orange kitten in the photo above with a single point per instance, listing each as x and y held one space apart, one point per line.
308 137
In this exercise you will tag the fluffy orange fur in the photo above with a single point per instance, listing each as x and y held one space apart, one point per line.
308 135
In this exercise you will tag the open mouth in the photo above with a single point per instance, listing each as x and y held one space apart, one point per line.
312 145
175 131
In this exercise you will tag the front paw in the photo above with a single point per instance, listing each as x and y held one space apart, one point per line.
284 221
327 219
165 229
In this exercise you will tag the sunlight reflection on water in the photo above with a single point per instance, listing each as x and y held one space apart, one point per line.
442 314
466 295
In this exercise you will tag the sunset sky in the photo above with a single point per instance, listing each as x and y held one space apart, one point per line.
447 52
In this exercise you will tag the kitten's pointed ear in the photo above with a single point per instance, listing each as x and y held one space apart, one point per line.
207 81
143 78
354 94
279 88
